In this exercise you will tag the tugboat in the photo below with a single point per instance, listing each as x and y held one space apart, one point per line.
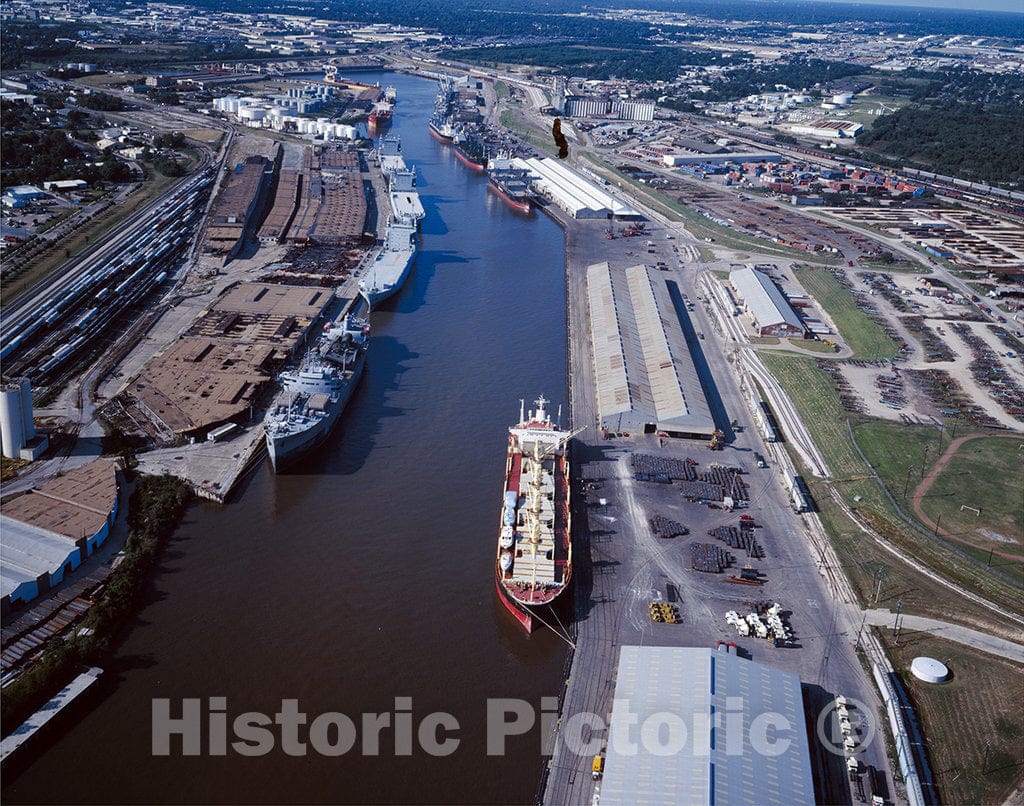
533 563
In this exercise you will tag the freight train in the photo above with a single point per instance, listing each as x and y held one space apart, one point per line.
73 319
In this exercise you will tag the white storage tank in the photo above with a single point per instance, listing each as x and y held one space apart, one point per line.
12 420
28 420
929 670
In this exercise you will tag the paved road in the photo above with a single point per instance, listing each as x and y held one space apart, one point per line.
951 632
621 566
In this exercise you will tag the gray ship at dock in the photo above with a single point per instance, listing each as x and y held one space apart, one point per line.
389 269
314 394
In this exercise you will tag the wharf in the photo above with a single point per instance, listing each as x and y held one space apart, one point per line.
213 469
35 723
621 566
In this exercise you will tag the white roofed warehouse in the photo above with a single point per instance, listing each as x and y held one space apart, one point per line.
579 197
766 304
691 725
645 376
50 530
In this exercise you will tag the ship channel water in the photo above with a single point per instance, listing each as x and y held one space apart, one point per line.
366 573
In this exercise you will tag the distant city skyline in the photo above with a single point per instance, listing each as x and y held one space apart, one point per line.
966 5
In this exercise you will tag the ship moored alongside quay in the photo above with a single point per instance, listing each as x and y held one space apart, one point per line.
314 394
533 565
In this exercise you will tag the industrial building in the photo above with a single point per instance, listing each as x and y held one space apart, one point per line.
588 106
645 376
766 304
725 703
17 422
233 217
828 128
49 531
286 199
579 197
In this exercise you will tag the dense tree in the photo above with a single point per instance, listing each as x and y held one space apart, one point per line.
963 140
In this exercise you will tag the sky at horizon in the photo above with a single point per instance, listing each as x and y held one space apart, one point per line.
965 5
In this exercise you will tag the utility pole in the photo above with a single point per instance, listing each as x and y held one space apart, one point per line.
860 629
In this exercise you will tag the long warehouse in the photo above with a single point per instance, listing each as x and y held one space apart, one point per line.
579 197
772 314
736 732
645 375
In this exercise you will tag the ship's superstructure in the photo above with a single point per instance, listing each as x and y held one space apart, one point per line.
401 180
533 565
314 394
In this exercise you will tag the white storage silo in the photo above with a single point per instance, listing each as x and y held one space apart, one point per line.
28 422
12 428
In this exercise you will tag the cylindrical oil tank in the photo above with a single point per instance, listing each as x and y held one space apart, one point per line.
12 428
28 421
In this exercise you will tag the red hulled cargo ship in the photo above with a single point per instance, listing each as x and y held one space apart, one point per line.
533 565
380 116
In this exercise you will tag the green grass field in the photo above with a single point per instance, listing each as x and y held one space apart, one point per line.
863 335
812 345
973 725
985 474
888 447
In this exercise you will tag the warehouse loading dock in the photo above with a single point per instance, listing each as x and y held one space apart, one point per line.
646 377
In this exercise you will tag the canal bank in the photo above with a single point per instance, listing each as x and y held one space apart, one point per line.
365 574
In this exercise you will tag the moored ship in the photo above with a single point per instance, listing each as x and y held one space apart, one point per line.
470 151
533 565
391 266
512 186
442 128
314 394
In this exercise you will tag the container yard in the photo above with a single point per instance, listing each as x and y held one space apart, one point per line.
973 240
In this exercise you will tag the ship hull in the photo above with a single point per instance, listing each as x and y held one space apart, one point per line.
476 167
448 140
519 206
373 296
289 448
521 614
438 136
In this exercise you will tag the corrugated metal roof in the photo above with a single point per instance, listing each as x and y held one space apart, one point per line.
763 298
573 191
717 697
643 367
29 552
